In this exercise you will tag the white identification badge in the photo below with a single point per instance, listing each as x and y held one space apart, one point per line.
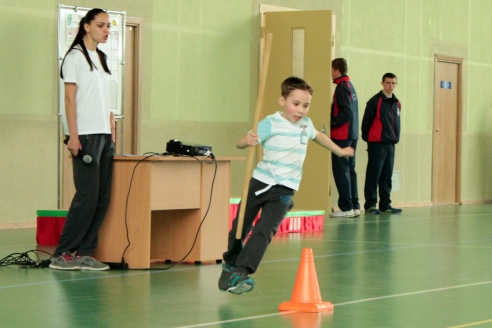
304 138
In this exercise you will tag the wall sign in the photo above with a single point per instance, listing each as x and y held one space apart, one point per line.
445 84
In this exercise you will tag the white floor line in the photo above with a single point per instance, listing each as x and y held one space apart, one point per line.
346 303
184 268
471 324
396 218
402 247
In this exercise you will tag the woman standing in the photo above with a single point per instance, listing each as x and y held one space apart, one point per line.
89 128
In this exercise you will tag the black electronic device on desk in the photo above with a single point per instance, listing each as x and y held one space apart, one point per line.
176 147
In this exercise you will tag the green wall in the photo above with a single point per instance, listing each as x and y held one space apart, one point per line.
403 37
199 83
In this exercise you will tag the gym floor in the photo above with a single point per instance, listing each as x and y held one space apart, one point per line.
430 267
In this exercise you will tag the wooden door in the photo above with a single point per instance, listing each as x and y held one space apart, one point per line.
127 125
446 146
302 46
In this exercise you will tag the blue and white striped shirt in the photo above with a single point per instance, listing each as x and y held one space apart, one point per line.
284 150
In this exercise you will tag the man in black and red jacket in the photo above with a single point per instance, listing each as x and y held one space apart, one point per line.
344 132
381 131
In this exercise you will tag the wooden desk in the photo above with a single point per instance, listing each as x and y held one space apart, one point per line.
167 200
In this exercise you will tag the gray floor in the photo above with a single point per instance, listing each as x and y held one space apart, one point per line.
430 267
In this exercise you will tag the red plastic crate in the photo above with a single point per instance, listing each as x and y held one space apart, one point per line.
49 226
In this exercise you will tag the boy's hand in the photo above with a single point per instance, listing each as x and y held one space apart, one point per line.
251 139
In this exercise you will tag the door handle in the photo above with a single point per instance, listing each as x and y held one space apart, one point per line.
323 129
438 130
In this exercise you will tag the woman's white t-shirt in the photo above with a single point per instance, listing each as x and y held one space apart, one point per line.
92 97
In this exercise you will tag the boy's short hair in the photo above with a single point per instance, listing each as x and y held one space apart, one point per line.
294 83
389 76
340 64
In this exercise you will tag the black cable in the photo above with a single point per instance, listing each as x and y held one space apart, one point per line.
24 260
212 157
204 216
151 153
126 205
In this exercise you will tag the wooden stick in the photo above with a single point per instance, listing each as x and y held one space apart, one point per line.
251 152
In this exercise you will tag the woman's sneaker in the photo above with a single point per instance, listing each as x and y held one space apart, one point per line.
239 283
66 261
90 263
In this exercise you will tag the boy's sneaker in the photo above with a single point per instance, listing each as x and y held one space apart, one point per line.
372 210
391 210
90 263
239 283
227 271
342 214
64 262
356 212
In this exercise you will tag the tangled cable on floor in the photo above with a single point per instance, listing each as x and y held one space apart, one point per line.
29 259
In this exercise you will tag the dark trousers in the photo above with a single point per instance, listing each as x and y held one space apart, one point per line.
91 199
345 177
378 174
274 205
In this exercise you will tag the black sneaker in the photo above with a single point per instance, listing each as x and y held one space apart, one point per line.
391 210
372 210
227 271
239 283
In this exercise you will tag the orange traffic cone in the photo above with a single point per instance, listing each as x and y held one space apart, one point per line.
306 296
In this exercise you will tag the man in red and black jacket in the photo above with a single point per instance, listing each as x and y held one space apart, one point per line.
381 131
344 132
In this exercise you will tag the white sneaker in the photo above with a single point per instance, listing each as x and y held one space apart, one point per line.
356 212
343 214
